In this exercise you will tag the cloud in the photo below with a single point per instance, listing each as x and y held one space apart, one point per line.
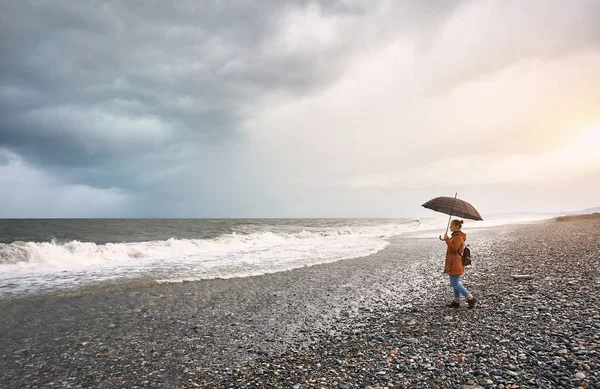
484 37
99 86
289 108
32 193
369 127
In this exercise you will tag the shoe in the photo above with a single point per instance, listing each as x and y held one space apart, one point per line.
472 303
454 304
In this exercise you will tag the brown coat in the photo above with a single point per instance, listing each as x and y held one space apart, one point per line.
454 266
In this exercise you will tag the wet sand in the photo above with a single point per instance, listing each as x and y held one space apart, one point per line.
374 321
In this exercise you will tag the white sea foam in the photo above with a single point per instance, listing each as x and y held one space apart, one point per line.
27 267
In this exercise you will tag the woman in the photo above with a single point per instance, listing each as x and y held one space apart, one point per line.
454 266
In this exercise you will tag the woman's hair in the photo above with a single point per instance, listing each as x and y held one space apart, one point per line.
457 223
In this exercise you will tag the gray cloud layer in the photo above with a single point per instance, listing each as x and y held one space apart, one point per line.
90 87
149 103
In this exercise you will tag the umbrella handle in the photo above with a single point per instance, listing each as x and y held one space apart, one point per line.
450 218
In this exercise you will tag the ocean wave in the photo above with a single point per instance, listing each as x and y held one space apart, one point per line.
27 267
76 253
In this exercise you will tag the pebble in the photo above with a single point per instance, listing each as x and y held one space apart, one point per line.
524 337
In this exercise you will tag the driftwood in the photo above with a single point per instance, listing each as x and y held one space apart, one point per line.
522 277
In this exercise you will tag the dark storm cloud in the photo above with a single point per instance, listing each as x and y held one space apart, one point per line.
76 76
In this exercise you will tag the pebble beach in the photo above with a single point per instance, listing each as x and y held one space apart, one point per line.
374 322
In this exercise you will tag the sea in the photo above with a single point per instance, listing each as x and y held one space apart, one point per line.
40 256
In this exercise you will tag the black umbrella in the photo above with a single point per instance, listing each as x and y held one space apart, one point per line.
453 207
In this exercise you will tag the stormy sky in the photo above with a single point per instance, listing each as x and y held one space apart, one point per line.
355 108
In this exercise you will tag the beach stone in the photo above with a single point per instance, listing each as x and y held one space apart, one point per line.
512 345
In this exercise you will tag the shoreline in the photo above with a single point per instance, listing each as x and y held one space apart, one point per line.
145 282
232 332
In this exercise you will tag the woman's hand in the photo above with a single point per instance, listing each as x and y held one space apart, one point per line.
446 236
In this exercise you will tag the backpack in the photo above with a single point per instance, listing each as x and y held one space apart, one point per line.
466 256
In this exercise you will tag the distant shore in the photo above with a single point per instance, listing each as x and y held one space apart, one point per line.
377 321
590 216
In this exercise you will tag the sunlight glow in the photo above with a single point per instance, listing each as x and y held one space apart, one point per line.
584 150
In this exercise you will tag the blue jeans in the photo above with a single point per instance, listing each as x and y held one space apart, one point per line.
458 288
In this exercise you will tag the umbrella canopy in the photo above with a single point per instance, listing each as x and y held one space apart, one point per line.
453 207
